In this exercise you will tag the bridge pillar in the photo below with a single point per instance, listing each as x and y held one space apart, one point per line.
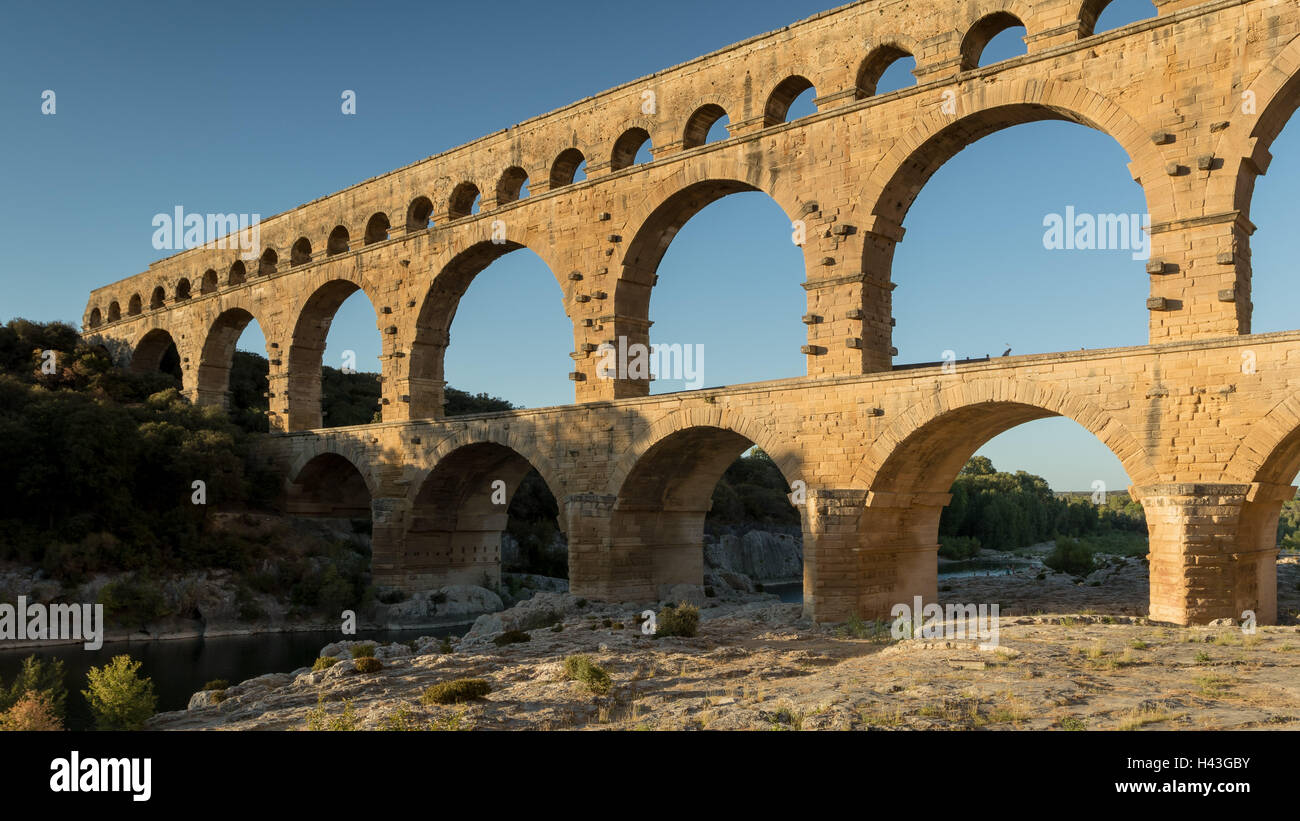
1200 278
849 315
832 524
598 568
390 518
899 557
1213 550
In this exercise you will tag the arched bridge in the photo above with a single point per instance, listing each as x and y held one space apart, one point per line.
1205 419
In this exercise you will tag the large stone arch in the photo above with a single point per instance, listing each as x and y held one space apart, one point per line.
983 109
323 293
979 410
212 375
330 479
458 511
662 489
784 450
668 205
431 334
909 468
151 348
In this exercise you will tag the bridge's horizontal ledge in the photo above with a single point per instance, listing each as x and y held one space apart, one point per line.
904 375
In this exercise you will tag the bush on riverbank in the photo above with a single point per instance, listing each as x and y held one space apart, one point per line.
118 697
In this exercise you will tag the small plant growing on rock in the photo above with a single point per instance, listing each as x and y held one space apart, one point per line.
324 663
682 620
446 647
319 718
581 603
454 692
361 651
511 637
368 664
581 668
216 684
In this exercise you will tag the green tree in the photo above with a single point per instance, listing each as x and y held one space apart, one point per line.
38 676
118 697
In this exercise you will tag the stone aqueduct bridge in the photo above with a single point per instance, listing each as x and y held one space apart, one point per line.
1205 419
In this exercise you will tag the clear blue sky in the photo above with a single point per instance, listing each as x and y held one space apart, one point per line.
235 108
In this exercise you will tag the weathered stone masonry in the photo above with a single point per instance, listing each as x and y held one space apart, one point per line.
1205 418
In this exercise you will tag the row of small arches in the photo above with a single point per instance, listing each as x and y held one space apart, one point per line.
699 129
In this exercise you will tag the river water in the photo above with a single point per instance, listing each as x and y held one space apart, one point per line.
180 667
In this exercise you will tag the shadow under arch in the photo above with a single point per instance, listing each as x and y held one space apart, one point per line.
307 349
328 484
438 311
663 490
156 351
459 512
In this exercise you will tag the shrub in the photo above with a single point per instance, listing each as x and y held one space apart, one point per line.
446 647
216 684
454 692
319 718
368 664
581 668
118 697
959 547
361 651
682 620
324 663
511 637
1070 556
33 712
38 676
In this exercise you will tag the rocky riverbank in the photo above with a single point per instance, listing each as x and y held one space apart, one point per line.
756 664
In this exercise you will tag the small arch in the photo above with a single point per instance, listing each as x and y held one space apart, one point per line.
418 214
209 284
700 123
376 229
338 241
875 66
781 98
300 253
182 290
565 169
267 264
512 186
95 318
238 273
114 311
157 299
464 201
982 33
1097 16
133 307
627 147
